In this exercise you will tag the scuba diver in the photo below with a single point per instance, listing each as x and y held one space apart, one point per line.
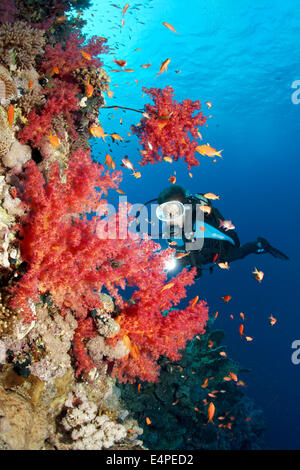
199 233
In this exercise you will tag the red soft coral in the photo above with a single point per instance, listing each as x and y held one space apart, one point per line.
70 57
153 333
61 100
165 133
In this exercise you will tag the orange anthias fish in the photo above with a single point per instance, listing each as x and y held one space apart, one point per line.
205 209
273 320
181 255
195 300
121 63
211 412
145 66
242 316
169 26
116 136
109 161
241 330
148 420
110 94
125 9
97 131
137 174
259 275
86 55
163 67
233 376
30 84
10 115
172 179
54 140
208 151
224 265
226 298
89 89
167 286
211 196
126 341
54 71
168 159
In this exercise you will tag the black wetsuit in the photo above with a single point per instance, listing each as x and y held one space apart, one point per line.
221 251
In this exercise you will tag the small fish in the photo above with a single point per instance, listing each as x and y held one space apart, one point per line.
89 89
139 387
242 316
209 104
248 338
169 26
172 179
137 174
61 18
181 255
233 376
134 352
226 298
194 301
259 275
54 71
211 196
164 66
168 159
210 412
223 354
86 55
121 63
168 286
241 329
173 243
54 140
216 314
127 163
224 265
125 9
97 131
116 136
120 191
205 209
146 66
10 115
30 84
205 383
226 224
126 341
273 320
109 161
150 145
178 71
208 151
215 257
190 175
175 402
110 93
200 135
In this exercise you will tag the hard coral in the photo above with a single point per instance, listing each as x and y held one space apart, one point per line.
171 129
8 88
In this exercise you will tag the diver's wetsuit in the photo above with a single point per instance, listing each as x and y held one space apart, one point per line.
220 251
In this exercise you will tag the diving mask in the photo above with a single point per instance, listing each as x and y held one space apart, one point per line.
170 211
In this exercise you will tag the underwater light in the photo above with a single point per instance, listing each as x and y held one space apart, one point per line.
170 264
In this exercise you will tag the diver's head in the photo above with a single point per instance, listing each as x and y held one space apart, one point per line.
171 205
172 193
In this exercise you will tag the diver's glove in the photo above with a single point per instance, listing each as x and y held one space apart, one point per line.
264 247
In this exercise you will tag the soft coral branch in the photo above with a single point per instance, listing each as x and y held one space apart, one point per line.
170 130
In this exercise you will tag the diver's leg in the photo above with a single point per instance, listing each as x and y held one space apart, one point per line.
258 247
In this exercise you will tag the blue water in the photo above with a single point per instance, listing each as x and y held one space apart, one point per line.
243 57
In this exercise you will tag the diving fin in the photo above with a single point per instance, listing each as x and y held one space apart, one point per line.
265 247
